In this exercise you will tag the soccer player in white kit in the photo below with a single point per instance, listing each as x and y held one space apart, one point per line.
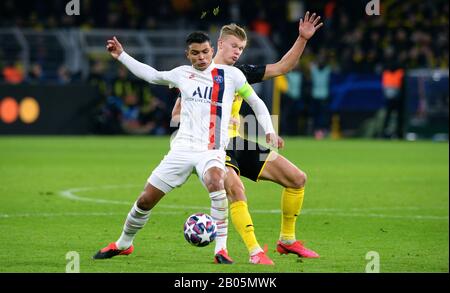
207 93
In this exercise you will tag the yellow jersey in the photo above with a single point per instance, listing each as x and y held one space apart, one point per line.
254 74
235 121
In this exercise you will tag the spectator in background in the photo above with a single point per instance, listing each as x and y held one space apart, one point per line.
130 116
292 104
155 112
35 76
108 117
123 85
64 76
108 106
96 79
234 10
392 83
260 25
320 92
12 73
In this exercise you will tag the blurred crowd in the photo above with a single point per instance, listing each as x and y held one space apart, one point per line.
410 34
129 105
413 32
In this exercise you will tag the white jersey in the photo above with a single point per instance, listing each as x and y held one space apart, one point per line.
206 100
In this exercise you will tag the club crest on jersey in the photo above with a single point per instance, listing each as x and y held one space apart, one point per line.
218 79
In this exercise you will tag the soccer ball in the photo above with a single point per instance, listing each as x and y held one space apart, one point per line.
200 229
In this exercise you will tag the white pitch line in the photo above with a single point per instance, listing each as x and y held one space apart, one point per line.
45 215
70 194
71 214
306 211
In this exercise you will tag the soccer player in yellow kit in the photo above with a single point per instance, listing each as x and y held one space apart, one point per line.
244 156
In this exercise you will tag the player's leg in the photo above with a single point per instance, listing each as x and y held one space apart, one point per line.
211 171
140 212
280 170
173 171
135 221
241 218
213 179
234 186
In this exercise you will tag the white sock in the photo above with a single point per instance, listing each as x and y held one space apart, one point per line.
219 212
136 219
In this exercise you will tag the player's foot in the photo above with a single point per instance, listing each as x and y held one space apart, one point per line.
222 257
261 258
111 250
296 248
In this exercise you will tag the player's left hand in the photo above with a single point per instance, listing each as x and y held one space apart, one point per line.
280 142
309 25
274 140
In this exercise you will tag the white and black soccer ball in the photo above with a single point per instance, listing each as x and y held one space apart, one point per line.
200 229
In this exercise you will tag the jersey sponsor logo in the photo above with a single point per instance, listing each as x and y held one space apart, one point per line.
203 93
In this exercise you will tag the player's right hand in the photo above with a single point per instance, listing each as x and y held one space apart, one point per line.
114 47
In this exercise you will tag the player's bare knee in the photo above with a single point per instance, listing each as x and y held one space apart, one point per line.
214 186
215 183
298 179
214 180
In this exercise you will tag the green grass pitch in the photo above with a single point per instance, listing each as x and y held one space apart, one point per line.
62 194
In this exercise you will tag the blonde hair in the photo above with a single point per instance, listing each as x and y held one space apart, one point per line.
233 30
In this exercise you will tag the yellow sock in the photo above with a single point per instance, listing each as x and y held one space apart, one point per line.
291 204
243 223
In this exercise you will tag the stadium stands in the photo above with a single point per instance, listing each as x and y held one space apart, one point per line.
40 37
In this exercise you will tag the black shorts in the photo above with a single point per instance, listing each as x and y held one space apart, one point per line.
248 158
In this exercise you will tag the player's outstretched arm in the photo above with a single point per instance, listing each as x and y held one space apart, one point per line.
262 115
141 70
306 29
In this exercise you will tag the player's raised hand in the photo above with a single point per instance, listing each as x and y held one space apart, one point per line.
114 47
309 25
